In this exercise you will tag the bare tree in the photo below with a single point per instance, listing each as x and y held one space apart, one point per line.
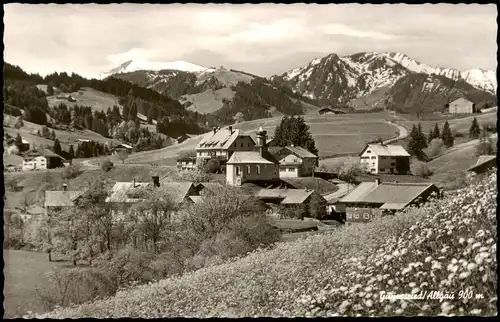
123 155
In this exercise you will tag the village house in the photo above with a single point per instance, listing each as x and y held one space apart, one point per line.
41 159
381 158
187 163
295 161
327 110
33 212
461 106
125 194
483 164
122 147
282 199
252 166
371 199
222 143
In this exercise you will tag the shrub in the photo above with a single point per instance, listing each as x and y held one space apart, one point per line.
436 148
457 134
107 165
72 171
213 166
421 169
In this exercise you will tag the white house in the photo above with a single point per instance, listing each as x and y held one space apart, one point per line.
252 166
41 159
295 161
221 143
381 158
461 106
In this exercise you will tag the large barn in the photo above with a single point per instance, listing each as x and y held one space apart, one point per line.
461 106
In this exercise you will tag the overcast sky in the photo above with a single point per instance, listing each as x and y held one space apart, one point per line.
264 39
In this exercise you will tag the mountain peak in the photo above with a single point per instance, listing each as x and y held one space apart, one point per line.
136 65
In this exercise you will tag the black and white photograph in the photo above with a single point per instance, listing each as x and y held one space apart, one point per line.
249 160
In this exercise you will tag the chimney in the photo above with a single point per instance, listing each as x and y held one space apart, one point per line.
215 129
65 187
230 128
156 181
377 181
133 183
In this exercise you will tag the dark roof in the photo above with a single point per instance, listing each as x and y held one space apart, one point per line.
288 196
41 152
296 150
484 162
126 192
397 195
319 185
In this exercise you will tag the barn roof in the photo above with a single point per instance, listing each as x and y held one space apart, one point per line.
359 192
319 185
248 157
40 152
482 161
461 100
126 146
196 199
297 150
387 150
397 195
126 192
222 139
61 198
289 196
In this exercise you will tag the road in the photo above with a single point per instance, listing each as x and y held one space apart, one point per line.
344 188
403 133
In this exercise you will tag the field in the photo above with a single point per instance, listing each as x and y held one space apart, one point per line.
209 101
24 271
99 101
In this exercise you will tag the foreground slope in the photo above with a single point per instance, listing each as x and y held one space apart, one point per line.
448 245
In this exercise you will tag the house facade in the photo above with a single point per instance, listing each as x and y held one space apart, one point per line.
373 199
188 163
295 162
222 143
461 106
251 166
388 159
41 159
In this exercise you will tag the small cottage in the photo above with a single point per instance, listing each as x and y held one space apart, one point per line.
296 161
461 106
122 147
41 159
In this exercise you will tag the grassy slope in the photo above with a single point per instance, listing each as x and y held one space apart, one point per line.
461 124
333 134
98 100
342 272
24 272
208 101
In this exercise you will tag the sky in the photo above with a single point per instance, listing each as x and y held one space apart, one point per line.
264 39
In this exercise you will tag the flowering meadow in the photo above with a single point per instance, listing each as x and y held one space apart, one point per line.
443 252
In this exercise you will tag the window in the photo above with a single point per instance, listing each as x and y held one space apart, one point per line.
349 215
291 169
374 157
382 169
372 170
258 169
248 169
237 170
393 163
368 151
356 216
241 144
366 215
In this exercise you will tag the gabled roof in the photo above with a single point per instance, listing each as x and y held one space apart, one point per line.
213 187
386 150
289 196
222 139
297 150
126 192
248 157
359 192
196 199
61 198
126 146
396 195
461 100
319 185
483 160
41 152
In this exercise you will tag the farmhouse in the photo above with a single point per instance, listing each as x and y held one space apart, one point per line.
327 110
122 147
295 161
125 194
251 166
286 196
222 143
461 106
60 199
381 158
41 159
483 164
371 199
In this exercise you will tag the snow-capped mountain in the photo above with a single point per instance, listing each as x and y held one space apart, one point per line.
369 77
136 65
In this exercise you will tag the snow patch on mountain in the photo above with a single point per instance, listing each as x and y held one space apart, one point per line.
136 65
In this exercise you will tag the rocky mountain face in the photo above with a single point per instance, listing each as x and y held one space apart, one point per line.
368 80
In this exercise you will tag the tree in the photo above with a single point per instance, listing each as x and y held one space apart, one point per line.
19 122
106 165
485 145
434 133
57 147
213 166
317 206
447 136
19 142
294 130
53 135
436 148
474 130
71 152
122 155
415 143
46 132
421 169
422 140
50 90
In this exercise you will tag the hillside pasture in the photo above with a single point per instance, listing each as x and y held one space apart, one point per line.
371 100
99 101
208 101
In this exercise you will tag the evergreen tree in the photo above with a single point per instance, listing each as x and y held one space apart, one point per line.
435 133
71 151
422 140
485 145
447 136
125 112
53 135
294 130
57 146
474 130
19 142
50 90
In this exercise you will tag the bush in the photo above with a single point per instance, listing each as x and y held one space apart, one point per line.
107 165
72 171
421 169
490 127
213 166
436 148
457 134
